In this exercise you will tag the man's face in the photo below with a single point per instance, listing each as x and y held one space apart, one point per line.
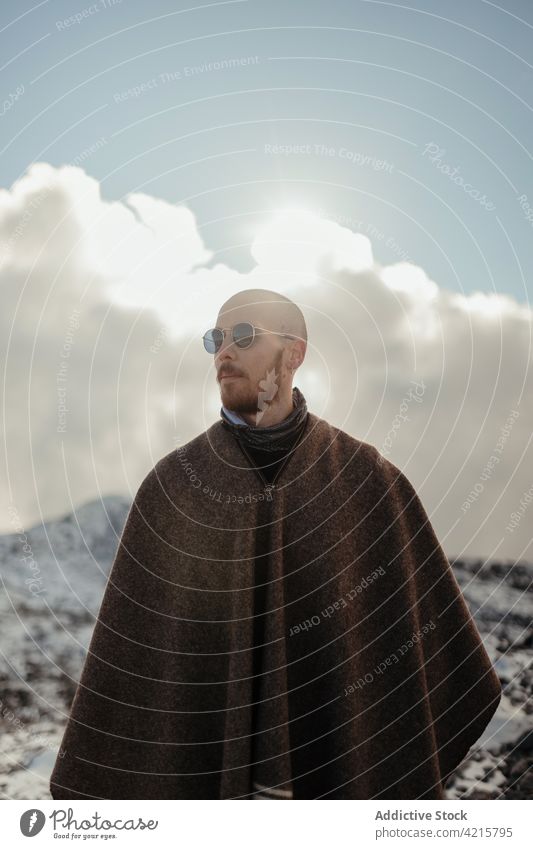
240 371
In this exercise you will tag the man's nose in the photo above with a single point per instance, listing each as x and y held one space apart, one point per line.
226 350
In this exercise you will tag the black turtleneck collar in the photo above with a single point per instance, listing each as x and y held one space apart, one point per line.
276 438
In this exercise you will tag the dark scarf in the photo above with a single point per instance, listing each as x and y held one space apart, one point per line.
276 439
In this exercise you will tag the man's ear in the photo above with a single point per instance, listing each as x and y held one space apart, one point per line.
297 355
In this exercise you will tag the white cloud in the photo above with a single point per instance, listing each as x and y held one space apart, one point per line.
137 380
297 240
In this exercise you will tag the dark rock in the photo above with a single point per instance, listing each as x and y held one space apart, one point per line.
519 768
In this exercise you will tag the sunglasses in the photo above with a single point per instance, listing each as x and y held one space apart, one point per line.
243 335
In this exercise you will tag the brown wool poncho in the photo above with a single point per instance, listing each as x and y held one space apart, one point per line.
374 680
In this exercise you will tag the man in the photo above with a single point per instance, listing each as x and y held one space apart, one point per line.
280 620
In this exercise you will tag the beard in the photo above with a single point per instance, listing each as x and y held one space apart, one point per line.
241 396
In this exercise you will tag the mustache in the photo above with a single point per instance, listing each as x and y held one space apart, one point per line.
227 373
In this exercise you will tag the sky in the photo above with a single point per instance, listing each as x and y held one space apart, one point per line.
371 160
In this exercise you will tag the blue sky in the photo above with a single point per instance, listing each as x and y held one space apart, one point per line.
367 80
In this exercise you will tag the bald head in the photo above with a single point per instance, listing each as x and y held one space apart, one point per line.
257 380
266 309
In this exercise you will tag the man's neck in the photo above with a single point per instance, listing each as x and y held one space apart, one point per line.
272 415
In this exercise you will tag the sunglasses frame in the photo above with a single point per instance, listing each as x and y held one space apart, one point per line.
256 331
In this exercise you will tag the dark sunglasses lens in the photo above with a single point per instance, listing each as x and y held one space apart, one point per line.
213 340
243 334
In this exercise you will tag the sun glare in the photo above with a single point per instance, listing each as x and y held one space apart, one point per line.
296 238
